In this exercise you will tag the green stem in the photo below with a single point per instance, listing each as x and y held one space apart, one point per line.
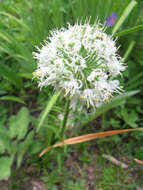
129 50
65 118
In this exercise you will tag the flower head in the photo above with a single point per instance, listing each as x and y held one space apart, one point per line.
81 60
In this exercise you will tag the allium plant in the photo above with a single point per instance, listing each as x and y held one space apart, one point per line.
81 61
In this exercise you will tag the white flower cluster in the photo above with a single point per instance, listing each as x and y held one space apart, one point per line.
83 61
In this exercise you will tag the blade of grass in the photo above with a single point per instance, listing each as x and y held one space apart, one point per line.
48 109
21 57
129 31
129 50
5 49
105 107
5 37
124 15
14 18
138 77
12 98
89 137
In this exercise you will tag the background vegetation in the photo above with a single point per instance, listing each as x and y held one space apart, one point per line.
25 129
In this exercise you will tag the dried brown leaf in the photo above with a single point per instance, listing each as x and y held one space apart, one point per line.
89 137
138 161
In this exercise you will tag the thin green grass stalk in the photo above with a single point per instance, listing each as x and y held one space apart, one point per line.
129 50
48 109
125 14
138 77
129 31
63 128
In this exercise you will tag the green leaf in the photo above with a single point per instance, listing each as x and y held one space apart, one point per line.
5 167
124 15
113 103
26 75
35 147
23 148
129 31
48 109
10 75
4 139
12 98
14 145
130 117
18 124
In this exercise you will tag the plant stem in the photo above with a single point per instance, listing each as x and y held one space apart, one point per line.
65 118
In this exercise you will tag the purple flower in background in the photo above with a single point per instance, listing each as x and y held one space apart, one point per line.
111 20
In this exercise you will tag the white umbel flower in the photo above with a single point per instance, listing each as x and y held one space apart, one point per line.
83 61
